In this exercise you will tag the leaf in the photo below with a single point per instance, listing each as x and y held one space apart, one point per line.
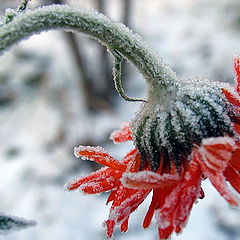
12 223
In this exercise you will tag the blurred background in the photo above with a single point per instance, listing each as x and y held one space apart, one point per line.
56 92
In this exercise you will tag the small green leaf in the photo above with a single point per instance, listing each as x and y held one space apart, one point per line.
12 223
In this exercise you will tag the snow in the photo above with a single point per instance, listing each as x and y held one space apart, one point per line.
191 36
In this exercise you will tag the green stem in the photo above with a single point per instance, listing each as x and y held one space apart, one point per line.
114 36
117 72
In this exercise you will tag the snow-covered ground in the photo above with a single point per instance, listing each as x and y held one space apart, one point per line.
197 38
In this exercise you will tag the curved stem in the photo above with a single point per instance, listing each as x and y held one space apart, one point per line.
117 72
114 35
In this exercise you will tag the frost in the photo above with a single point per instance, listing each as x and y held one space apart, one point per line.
148 180
220 140
222 147
121 135
94 150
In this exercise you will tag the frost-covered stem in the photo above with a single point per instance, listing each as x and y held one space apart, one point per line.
111 34
117 72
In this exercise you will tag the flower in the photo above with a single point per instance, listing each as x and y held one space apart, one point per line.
195 136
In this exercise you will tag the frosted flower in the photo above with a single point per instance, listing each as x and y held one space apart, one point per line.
180 140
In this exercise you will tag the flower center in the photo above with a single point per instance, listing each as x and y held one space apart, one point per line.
167 127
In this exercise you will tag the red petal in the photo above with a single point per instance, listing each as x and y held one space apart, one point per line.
123 134
148 180
231 98
98 155
95 176
165 233
110 225
235 160
111 196
237 127
153 206
158 199
191 190
124 225
103 185
237 72
126 201
166 214
218 181
233 178
216 153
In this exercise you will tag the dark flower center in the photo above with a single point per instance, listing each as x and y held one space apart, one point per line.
165 133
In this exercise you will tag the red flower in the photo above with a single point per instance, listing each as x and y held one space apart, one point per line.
175 189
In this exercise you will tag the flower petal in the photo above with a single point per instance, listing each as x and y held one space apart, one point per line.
235 160
153 206
216 153
165 233
216 177
132 160
158 199
237 72
110 226
99 155
237 127
166 214
95 176
231 97
123 134
233 178
125 202
111 196
148 180
124 225
191 190
103 185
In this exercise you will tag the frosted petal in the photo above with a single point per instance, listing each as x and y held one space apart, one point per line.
98 176
148 180
233 178
123 134
95 176
217 179
237 72
191 190
217 152
231 97
99 155
126 200
102 186
166 213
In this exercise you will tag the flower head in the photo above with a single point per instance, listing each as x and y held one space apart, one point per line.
191 135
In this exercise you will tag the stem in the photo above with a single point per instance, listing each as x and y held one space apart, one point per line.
117 72
113 35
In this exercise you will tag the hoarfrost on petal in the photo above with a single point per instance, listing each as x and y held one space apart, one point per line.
90 149
121 135
99 155
148 180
